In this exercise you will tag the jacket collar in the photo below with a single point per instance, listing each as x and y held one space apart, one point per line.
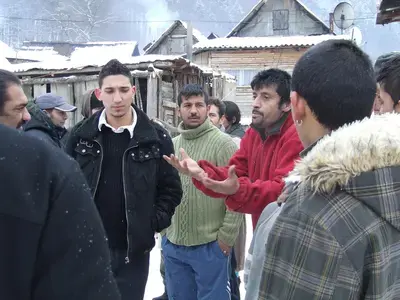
280 126
144 131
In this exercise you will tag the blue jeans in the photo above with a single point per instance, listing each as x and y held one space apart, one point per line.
197 272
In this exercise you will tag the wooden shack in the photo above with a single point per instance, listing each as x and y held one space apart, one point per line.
388 12
157 78
274 34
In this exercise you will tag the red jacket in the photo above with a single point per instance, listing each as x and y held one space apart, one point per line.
261 163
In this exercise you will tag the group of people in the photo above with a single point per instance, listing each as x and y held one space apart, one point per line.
317 170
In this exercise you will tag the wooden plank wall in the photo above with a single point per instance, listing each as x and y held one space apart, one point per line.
244 99
255 59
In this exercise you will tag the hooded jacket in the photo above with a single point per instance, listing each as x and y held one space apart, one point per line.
338 235
86 109
41 126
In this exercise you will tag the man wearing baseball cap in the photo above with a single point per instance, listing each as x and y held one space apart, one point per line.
49 113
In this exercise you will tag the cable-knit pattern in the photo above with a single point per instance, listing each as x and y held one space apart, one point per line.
199 218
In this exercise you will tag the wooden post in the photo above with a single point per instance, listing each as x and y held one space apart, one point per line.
152 104
189 41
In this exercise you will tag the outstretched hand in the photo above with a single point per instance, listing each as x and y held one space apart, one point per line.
229 186
186 165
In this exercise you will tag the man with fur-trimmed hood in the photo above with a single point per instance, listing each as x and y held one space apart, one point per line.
338 235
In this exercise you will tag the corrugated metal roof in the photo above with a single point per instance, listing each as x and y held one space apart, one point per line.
264 42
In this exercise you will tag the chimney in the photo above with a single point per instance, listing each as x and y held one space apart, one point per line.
331 23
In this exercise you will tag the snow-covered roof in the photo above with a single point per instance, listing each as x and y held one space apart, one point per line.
264 42
5 64
79 64
6 50
103 53
197 34
39 54
258 6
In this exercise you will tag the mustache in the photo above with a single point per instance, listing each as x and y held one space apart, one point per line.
256 112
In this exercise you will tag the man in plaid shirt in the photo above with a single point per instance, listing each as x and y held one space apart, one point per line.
338 235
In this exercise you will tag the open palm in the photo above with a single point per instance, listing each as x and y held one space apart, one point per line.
186 165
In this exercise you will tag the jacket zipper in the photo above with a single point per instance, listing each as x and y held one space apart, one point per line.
101 163
126 203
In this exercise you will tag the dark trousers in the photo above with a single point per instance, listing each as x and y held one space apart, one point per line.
132 277
234 279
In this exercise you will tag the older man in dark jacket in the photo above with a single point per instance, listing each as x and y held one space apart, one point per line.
52 241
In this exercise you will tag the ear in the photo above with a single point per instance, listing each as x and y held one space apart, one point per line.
298 106
286 107
134 89
97 93
178 111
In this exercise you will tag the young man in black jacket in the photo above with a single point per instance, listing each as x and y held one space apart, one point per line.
53 244
120 152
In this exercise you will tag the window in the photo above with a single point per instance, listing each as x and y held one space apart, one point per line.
243 77
280 19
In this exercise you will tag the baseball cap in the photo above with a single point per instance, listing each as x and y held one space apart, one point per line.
51 101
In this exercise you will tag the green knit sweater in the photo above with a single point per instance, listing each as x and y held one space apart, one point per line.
200 219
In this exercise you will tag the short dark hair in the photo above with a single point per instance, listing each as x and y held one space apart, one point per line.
274 77
383 59
219 104
6 79
114 67
191 90
389 78
336 79
232 112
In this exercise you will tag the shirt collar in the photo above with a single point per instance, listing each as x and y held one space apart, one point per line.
308 149
130 128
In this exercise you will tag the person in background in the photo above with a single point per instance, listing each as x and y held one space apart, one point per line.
119 150
91 103
53 243
216 111
215 107
49 113
13 102
388 78
254 175
231 120
381 60
198 244
337 237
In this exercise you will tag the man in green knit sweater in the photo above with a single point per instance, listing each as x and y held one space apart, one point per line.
198 243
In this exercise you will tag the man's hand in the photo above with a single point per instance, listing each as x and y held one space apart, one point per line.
186 165
224 248
227 187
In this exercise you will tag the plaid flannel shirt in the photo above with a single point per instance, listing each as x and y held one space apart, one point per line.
343 245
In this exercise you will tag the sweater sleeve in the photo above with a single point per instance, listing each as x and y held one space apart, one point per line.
230 228
253 196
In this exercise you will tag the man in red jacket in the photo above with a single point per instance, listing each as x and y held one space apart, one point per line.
268 150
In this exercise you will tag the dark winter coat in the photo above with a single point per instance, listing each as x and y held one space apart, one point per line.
235 130
152 187
41 126
52 242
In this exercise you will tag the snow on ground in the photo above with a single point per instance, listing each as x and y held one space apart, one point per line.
155 286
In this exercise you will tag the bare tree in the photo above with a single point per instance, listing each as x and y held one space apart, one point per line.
80 20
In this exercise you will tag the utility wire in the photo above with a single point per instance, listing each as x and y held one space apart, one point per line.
372 17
